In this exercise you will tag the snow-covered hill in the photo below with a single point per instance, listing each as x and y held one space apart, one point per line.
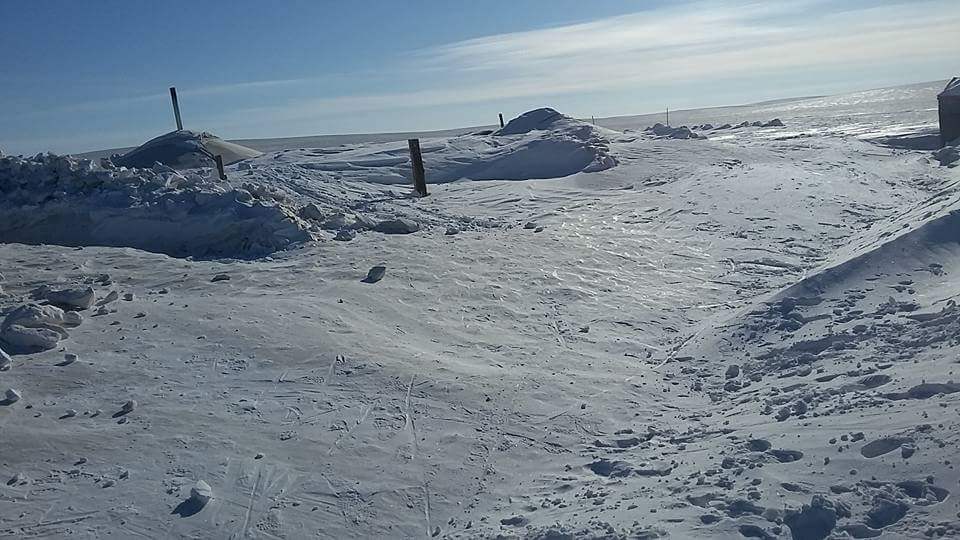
580 333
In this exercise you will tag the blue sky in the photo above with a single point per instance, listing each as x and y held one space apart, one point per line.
77 76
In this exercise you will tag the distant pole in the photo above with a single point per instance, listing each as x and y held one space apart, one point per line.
593 120
176 107
416 160
219 160
501 119
668 116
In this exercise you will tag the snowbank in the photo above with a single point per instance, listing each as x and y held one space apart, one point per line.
550 145
933 226
175 207
537 120
32 328
776 122
185 150
50 199
661 131
539 144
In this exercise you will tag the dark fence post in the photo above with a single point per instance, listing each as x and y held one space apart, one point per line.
176 107
501 120
416 160
219 160
942 117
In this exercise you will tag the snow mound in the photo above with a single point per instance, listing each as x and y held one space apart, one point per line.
863 298
50 199
535 120
31 327
185 149
540 144
661 131
776 122
928 228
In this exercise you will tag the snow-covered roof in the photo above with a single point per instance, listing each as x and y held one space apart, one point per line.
185 149
952 89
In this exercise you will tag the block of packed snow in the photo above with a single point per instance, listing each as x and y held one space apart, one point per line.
30 339
201 493
78 299
32 327
397 226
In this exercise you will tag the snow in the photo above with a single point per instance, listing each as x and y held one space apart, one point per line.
948 156
754 336
540 144
185 149
62 200
667 132
141 201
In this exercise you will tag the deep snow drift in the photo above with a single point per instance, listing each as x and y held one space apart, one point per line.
539 144
747 335
139 199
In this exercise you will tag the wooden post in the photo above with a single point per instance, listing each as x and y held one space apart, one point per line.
176 107
501 119
593 120
942 117
668 116
219 160
416 160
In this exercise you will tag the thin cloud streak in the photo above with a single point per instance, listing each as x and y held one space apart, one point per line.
721 40
666 28
672 33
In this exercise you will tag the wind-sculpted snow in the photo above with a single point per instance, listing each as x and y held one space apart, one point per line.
537 145
190 212
185 149
51 199
752 335
865 343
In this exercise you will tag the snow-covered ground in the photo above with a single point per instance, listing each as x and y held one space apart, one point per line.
581 333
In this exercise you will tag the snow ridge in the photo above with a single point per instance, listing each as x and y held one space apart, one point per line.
61 200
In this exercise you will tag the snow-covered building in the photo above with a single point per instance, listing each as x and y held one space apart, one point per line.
949 101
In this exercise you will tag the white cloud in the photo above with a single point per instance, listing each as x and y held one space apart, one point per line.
705 39
668 28
692 43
